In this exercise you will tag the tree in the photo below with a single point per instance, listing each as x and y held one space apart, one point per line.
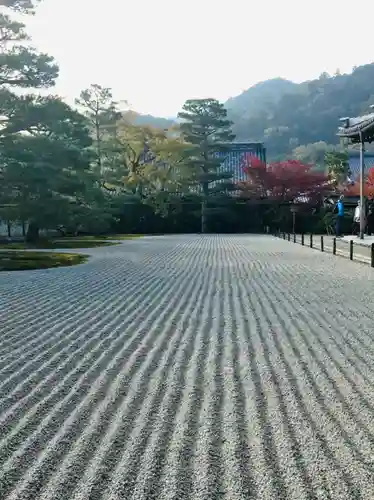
305 113
283 182
166 177
23 6
20 64
313 154
102 112
205 126
354 189
151 166
20 67
337 163
45 169
135 154
280 184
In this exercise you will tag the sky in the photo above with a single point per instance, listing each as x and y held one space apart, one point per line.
157 53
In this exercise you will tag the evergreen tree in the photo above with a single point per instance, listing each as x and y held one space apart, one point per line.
45 171
20 64
205 126
45 179
102 112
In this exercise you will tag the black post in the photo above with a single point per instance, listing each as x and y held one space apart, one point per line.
372 255
322 246
294 237
289 237
351 250
334 246
284 235
311 241
302 239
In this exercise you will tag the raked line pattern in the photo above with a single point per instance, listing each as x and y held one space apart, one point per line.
186 368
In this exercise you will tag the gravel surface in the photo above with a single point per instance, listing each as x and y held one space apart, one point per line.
189 368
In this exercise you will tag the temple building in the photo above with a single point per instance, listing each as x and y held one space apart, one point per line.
232 161
354 164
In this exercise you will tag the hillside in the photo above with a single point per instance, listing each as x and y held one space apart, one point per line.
153 121
259 97
285 115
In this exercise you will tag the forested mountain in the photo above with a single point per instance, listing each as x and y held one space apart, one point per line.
258 98
148 120
299 120
286 115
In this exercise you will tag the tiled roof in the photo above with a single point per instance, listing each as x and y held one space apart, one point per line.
232 161
354 127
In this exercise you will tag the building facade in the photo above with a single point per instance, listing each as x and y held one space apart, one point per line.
354 164
233 160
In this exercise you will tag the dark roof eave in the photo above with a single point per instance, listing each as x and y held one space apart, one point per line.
364 129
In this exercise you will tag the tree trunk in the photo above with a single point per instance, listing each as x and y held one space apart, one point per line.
32 234
204 221
204 206
62 231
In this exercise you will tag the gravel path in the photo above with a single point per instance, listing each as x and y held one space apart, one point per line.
361 252
189 368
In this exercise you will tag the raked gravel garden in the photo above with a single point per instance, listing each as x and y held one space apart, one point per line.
188 368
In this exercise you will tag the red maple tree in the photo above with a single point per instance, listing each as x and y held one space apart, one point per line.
354 190
284 181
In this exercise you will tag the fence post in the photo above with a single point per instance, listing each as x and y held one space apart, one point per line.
351 250
334 246
372 254
311 241
322 245
289 237
294 237
302 239
284 235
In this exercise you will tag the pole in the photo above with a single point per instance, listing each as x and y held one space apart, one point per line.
362 175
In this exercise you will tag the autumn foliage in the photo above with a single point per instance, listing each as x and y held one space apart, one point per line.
282 181
354 190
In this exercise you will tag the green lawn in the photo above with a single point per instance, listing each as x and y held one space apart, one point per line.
103 237
20 261
56 244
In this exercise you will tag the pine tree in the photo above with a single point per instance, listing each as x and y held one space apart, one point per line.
206 127
20 64
102 112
